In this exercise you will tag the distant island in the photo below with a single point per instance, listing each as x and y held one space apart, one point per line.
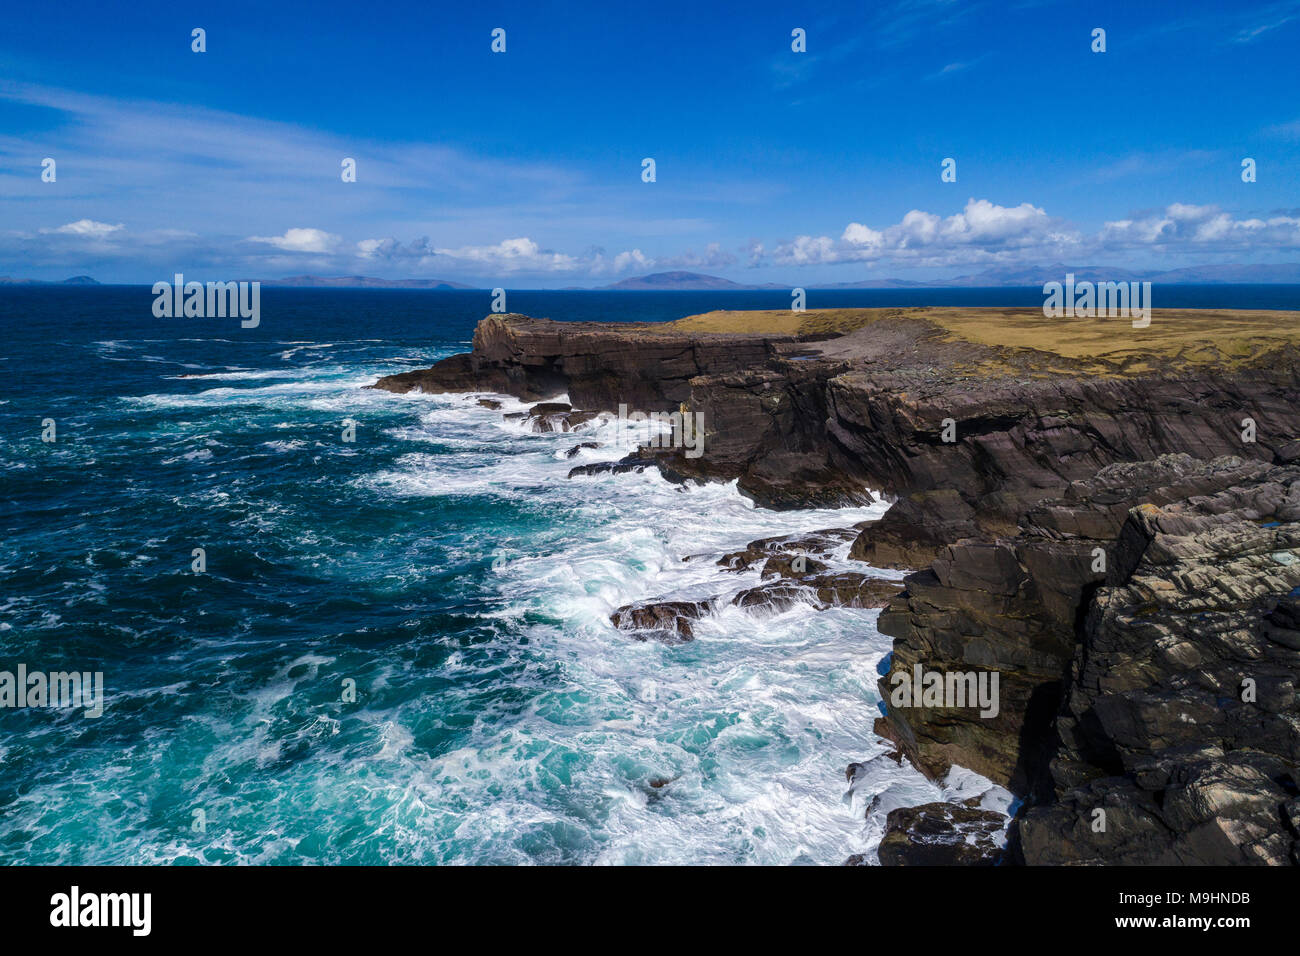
363 282
75 280
683 281
1018 276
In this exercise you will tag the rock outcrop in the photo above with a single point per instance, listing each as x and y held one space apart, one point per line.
671 621
1141 628
552 417
598 365
1181 722
942 834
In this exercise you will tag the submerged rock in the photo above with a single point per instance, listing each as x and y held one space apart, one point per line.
554 417
620 467
785 549
670 621
845 589
572 452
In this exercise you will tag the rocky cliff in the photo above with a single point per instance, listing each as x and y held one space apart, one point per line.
599 366
1103 517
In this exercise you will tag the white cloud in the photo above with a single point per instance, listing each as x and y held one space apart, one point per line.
87 227
856 234
301 240
982 231
515 255
631 260
1182 226
523 254
391 249
982 221
807 250
1247 34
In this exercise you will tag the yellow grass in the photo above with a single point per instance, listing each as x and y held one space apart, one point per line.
1223 337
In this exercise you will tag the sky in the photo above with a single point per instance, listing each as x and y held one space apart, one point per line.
524 168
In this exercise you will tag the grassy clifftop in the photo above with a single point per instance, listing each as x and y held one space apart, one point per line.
1025 338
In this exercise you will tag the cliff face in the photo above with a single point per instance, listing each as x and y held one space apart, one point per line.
598 365
1180 720
802 419
1109 527
1125 619
972 447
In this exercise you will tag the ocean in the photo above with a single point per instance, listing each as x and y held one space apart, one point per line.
441 567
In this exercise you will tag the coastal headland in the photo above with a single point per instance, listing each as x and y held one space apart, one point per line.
1106 517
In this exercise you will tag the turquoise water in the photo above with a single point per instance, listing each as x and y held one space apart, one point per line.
442 561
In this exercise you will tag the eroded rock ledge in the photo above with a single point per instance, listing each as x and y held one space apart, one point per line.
793 569
1157 686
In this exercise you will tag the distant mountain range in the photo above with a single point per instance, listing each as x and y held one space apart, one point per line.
363 282
1037 275
1023 276
679 281
75 280
1007 276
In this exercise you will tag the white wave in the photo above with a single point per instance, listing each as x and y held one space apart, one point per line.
284 447
753 723
287 354
240 375
747 730
198 454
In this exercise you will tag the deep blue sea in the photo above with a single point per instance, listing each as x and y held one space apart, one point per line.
442 562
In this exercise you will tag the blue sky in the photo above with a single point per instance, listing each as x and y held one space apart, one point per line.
523 168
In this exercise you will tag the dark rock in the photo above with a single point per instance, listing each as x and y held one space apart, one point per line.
553 417
1012 604
620 467
1121 686
1180 719
666 621
786 548
792 566
572 452
648 368
942 834
867 410
670 621
845 589
549 408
